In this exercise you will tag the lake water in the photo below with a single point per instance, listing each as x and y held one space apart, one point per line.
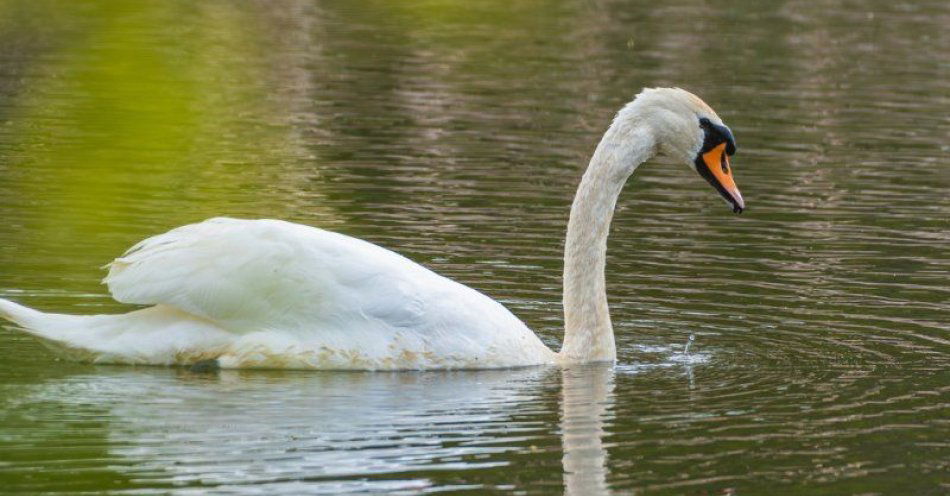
455 133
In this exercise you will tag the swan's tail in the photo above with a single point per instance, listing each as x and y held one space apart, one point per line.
44 325
155 335
54 329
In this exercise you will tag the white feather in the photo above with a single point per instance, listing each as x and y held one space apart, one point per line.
268 293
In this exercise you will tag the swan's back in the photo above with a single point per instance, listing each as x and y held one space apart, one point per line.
286 291
246 274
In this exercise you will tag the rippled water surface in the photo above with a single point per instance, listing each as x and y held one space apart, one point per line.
455 133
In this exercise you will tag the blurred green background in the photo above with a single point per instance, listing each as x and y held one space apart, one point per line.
455 133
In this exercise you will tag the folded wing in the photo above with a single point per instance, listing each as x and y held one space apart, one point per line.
253 275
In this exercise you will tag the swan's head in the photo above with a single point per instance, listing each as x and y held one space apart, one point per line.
688 130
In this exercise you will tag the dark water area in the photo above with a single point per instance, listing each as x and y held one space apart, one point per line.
455 133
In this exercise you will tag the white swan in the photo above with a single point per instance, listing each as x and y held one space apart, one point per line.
273 294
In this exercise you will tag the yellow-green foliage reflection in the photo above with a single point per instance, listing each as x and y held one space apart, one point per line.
145 100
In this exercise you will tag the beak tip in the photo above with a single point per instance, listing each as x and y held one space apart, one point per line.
738 204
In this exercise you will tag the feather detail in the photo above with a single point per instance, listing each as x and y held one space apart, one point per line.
273 294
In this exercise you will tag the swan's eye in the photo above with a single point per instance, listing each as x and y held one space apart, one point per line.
714 134
724 163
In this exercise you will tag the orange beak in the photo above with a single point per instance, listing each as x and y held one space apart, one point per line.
715 168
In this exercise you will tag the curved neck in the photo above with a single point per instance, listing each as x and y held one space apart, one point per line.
588 334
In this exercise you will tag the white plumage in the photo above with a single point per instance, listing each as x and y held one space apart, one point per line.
273 294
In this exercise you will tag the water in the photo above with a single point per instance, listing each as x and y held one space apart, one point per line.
455 133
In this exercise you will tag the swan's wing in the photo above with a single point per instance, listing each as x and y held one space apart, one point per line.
252 275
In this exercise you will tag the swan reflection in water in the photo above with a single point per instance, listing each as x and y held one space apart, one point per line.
586 402
334 432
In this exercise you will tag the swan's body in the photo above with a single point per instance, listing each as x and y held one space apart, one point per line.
268 293
273 294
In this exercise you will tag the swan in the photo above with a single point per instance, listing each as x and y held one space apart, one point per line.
273 294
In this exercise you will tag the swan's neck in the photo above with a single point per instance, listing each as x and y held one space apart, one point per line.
588 334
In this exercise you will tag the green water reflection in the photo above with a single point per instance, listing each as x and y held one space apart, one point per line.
455 132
